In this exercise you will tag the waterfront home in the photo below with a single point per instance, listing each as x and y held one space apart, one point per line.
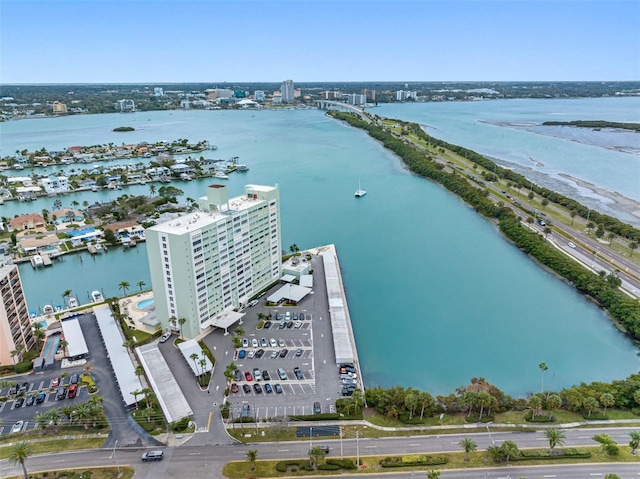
66 215
27 222
55 184
83 235
126 229
179 169
20 180
157 173
34 244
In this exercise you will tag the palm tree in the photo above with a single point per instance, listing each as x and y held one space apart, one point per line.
535 403
484 400
124 286
607 400
252 455
152 190
136 393
494 453
554 401
573 215
634 444
316 454
18 454
194 357
555 436
509 449
181 322
64 344
468 445
141 284
239 331
433 474
543 366
607 444
590 404
66 294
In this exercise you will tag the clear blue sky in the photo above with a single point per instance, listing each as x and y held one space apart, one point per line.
359 40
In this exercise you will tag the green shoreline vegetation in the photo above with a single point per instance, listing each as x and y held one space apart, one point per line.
595 124
124 128
624 310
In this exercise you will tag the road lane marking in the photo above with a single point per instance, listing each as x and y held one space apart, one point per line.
283 450
209 421
414 445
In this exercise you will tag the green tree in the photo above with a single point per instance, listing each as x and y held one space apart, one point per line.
181 322
555 437
634 444
573 214
433 474
590 404
64 344
468 445
141 284
484 400
252 456
607 444
543 367
607 400
18 454
554 402
509 449
545 202
535 403
65 295
316 454
152 190
494 453
124 286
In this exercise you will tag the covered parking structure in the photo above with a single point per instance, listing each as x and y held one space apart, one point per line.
173 403
76 345
338 314
118 355
224 320
289 292
200 364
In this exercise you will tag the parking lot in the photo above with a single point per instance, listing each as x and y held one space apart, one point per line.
28 402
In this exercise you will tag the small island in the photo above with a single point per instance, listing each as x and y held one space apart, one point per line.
124 128
596 124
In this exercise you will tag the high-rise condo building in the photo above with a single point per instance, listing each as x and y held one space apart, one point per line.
15 326
287 91
206 264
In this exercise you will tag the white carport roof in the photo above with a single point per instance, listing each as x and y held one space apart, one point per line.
287 278
118 355
306 280
224 320
338 311
289 291
172 401
187 348
74 337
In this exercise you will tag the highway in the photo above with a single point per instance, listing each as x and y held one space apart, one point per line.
208 461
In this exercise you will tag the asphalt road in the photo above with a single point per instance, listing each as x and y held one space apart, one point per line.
206 461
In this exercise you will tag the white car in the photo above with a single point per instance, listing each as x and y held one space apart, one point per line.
165 337
281 343
251 354
298 324
245 343
273 343
274 354
287 315
571 245
17 427
254 343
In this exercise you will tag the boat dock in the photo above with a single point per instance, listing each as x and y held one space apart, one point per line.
92 249
46 259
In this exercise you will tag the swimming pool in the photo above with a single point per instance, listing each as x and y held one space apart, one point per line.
145 303
51 345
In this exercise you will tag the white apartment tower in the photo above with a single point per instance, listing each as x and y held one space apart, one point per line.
287 91
206 264
15 325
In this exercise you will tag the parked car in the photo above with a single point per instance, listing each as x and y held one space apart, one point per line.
289 324
23 388
265 375
282 374
13 389
238 375
266 325
61 393
298 353
253 302
257 388
317 409
31 400
246 409
251 354
245 343
40 397
73 391
273 343
281 343
74 379
17 427
264 343
283 353
302 316
259 353
152 456
248 376
268 389
246 388
234 388
278 316
282 325
165 337
242 353
298 324
298 373
257 375
287 315
294 316
55 382
278 388
18 402
254 343
274 354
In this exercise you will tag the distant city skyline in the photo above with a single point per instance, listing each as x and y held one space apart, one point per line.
148 41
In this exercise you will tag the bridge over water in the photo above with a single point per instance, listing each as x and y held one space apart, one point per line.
340 106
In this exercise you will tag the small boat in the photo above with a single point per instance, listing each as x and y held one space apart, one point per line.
185 177
360 192
94 188
221 175
99 248
48 309
73 302
242 168
96 296
37 261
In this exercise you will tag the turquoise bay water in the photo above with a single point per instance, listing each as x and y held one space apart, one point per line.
436 295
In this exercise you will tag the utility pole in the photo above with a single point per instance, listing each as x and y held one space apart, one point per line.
310 437
357 451
341 434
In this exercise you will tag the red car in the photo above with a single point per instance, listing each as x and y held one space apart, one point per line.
234 388
72 391
248 376
55 382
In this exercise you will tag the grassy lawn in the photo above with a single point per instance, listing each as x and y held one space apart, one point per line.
126 472
242 469
57 445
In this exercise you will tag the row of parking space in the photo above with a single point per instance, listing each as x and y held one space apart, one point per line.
275 343
282 412
274 354
42 397
281 374
284 389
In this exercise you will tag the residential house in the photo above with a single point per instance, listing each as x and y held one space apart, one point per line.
27 222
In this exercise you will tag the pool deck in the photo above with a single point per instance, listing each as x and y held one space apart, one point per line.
128 307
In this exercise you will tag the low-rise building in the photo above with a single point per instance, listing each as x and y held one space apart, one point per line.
27 222
55 184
